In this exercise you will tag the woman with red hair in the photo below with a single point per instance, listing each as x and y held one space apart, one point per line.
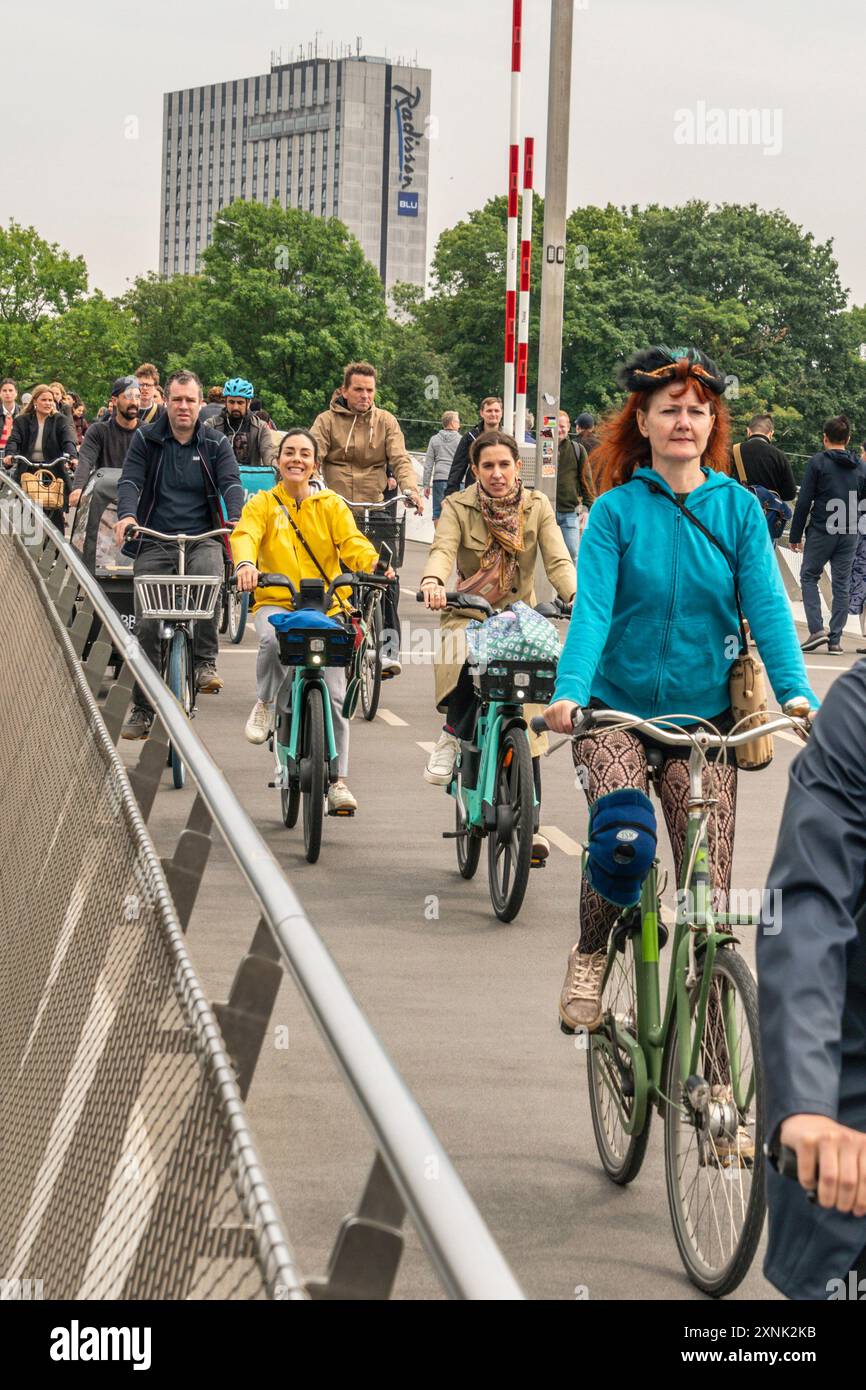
653 631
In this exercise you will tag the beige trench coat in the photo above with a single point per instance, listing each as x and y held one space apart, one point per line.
461 539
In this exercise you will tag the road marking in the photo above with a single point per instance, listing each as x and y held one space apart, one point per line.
819 666
561 840
426 747
392 719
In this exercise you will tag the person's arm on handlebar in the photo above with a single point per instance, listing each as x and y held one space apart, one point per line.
441 559
400 463
593 608
247 536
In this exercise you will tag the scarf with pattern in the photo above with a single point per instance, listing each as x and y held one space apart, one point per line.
503 517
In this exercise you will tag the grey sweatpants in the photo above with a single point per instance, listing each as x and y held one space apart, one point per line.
272 675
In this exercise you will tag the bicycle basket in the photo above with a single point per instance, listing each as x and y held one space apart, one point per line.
383 528
181 598
515 682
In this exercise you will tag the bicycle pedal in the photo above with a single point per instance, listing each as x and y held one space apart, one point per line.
540 863
345 812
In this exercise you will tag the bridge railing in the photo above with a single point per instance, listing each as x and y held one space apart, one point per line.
57 597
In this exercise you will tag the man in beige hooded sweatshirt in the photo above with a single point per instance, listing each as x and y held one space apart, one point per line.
357 444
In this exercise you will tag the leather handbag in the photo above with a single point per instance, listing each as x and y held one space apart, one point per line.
747 682
485 583
48 495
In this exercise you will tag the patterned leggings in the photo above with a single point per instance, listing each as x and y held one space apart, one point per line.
616 758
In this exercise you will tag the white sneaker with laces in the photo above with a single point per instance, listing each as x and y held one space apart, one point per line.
258 726
390 666
340 799
440 764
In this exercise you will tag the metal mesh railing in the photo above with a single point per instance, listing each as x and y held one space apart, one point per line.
128 1169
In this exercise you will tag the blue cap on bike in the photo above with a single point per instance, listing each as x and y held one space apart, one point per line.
238 387
622 844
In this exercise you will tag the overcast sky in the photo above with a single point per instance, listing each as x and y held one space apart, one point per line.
73 76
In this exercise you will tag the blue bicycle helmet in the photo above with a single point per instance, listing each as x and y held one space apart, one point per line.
239 387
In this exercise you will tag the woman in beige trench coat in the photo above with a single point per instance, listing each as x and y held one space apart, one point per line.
495 522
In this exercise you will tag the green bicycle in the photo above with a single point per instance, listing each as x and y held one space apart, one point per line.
303 739
492 785
698 1063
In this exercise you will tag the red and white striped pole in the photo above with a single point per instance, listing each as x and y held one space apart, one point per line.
525 274
513 195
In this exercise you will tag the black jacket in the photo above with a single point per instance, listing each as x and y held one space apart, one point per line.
137 489
105 445
58 437
766 466
811 953
460 474
833 486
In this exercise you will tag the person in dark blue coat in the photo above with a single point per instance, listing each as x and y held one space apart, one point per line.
812 1008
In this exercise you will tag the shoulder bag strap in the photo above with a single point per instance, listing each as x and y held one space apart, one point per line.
654 487
738 461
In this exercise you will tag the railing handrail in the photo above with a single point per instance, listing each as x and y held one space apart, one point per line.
452 1230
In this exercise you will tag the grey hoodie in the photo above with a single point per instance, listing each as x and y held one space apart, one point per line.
440 452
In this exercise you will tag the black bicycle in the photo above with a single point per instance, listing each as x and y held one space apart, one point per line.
379 522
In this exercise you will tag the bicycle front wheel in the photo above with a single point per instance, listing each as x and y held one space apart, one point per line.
371 666
509 846
714 1159
313 772
613 1089
238 608
180 684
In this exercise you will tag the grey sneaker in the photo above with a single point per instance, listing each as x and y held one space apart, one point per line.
835 649
580 1001
207 679
821 638
138 724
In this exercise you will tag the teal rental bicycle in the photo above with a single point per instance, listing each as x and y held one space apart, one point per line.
698 1062
493 786
303 738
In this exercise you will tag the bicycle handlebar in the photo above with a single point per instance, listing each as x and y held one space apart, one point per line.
590 717
381 506
342 581
785 1162
132 530
459 599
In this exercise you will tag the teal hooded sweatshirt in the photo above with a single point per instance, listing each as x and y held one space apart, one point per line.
654 628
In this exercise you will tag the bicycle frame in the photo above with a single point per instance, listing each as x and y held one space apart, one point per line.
695 931
478 803
288 754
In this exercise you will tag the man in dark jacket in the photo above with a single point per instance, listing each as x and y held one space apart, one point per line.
107 441
460 475
175 475
9 409
812 1008
763 463
833 487
248 435
575 487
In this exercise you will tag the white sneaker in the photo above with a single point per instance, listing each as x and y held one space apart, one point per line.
390 666
340 800
440 764
258 725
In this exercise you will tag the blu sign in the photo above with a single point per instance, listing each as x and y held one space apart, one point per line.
408 136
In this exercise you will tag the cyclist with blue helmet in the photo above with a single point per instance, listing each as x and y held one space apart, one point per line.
250 439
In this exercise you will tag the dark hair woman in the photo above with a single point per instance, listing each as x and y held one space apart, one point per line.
80 421
495 522
41 433
652 627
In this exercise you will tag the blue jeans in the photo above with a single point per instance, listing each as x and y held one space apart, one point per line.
567 522
438 495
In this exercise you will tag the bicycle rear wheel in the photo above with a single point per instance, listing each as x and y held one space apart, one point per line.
612 1095
313 772
509 846
180 684
714 1160
371 665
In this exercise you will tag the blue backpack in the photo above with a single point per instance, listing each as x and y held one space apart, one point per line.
776 512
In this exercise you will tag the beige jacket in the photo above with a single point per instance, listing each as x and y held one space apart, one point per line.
461 539
355 449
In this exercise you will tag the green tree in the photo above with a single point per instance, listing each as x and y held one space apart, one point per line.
168 316
36 277
296 299
87 348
